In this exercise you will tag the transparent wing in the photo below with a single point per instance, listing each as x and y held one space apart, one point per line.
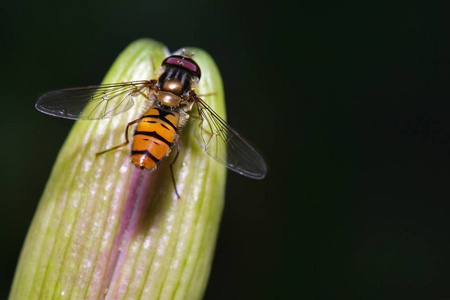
92 102
225 145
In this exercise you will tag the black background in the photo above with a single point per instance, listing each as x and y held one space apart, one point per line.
348 101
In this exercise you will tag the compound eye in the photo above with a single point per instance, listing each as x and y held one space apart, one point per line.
183 62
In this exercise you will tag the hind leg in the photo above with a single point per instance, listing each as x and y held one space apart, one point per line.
171 170
127 141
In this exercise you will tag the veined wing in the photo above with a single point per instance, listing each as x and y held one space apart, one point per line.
92 102
225 145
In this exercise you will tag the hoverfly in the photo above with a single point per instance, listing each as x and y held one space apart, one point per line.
171 96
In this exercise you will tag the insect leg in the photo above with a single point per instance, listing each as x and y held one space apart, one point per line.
207 94
201 120
195 117
171 169
121 145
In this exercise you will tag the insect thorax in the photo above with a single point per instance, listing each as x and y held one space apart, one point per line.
175 84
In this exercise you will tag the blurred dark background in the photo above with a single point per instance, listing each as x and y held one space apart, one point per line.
347 100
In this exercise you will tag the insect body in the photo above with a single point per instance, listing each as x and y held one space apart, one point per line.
171 97
157 129
154 136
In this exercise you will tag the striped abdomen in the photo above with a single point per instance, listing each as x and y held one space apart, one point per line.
154 136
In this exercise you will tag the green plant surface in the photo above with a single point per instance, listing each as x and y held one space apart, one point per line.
105 229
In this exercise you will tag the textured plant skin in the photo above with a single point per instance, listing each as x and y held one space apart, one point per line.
105 229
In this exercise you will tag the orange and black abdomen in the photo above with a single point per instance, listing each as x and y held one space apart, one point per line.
154 136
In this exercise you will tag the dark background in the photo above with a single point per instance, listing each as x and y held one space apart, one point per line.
348 101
